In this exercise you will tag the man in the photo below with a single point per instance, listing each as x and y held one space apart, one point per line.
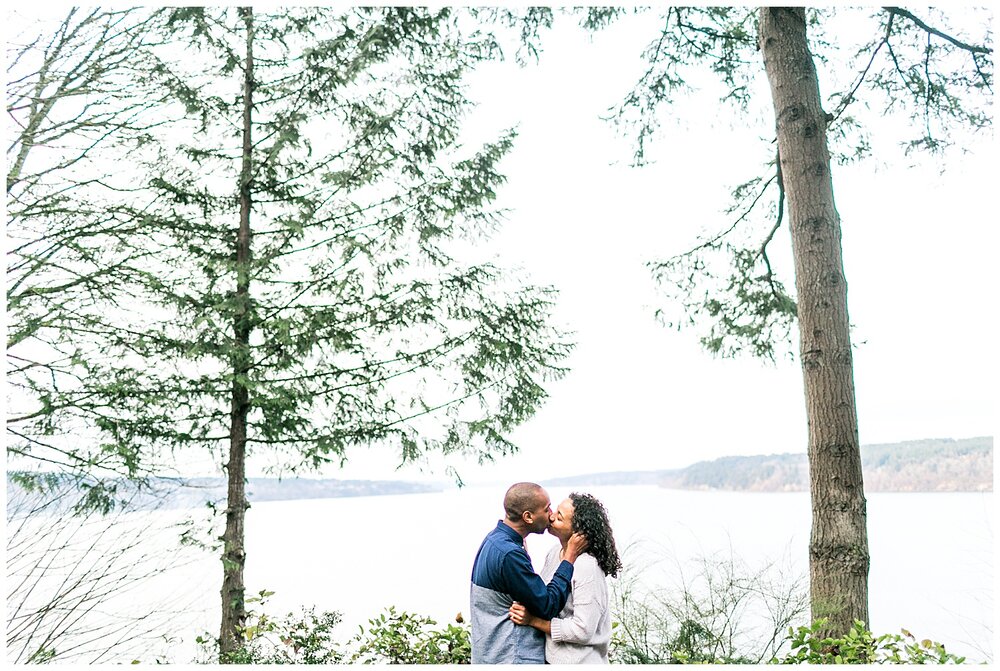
502 574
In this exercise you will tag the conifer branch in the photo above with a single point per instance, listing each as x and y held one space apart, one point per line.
971 48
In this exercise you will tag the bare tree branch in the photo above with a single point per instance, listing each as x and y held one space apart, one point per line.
971 48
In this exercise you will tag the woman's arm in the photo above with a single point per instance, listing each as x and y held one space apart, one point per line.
590 601
520 615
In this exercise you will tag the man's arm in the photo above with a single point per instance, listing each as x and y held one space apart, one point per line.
589 603
527 587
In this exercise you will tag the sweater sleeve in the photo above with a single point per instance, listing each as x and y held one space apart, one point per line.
589 604
527 587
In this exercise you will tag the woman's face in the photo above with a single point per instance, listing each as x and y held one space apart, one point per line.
562 521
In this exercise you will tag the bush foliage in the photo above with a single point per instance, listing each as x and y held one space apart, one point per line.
308 638
406 638
860 646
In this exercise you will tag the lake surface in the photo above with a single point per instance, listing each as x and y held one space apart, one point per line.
931 568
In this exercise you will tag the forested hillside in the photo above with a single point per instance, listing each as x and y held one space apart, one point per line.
934 465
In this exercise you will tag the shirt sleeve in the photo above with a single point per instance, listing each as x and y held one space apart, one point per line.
589 603
527 587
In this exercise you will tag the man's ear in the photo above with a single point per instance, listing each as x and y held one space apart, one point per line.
527 516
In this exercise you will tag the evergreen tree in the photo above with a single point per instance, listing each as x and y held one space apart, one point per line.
911 65
300 203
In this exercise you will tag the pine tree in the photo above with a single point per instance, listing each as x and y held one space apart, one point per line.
301 202
912 66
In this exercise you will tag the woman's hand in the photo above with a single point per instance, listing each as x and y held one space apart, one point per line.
519 614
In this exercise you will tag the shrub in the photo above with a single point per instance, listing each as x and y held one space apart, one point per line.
302 639
714 617
725 613
405 638
391 638
860 646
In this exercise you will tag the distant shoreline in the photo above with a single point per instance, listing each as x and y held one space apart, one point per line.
938 466
917 466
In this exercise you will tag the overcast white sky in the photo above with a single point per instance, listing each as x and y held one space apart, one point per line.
919 254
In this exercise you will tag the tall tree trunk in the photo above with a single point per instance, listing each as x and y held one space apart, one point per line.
838 547
234 554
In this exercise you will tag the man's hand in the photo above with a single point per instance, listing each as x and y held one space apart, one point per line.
576 546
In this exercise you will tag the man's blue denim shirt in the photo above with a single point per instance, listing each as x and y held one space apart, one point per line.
502 574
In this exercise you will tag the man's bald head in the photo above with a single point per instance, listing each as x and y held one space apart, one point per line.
523 497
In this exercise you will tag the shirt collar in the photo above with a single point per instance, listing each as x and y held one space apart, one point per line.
513 535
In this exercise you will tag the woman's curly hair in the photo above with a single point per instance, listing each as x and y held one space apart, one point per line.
591 519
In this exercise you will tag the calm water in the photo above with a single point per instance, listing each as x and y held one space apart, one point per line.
931 571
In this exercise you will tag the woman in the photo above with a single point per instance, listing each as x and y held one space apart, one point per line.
582 632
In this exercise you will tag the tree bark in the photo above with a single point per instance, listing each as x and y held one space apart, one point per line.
234 554
838 547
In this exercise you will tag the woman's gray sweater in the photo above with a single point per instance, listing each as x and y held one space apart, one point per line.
581 633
